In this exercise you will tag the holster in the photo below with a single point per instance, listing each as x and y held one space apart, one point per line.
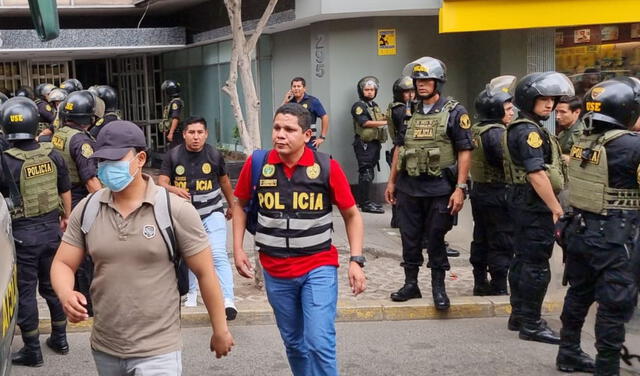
451 174
560 234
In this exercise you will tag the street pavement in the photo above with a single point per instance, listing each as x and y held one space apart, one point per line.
419 347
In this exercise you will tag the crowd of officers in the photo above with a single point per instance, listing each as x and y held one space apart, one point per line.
528 188
48 136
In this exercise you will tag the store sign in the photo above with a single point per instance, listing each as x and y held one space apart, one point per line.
386 42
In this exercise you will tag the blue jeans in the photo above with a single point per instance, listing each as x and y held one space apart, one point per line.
305 311
216 226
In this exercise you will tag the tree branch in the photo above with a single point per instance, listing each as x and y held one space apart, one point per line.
262 23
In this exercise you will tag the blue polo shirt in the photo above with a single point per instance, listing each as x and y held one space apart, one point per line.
312 104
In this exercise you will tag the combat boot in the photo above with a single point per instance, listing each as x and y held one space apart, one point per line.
410 290
58 339
540 332
481 286
450 251
30 354
440 298
573 359
607 364
370 207
499 284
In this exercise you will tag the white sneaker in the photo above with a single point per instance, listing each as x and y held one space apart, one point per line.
230 309
192 299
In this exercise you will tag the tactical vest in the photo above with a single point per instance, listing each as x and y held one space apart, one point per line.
200 180
481 170
427 148
165 123
61 141
589 180
294 215
368 134
392 127
556 170
38 181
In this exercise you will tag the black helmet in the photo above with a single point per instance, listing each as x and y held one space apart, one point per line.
367 81
490 102
171 88
109 96
401 85
615 102
426 68
3 98
19 118
71 85
43 90
57 95
25 91
79 107
541 84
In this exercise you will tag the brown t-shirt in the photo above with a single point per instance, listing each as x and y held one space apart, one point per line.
134 290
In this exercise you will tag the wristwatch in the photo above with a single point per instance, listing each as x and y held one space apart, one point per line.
464 187
360 260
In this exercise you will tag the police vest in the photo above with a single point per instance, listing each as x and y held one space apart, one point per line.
165 124
368 134
556 170
589 179
481 170
294 215
392 127
201 181
61 141
38 181
427 148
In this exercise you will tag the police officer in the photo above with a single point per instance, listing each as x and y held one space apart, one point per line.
46 111
428 177
604 178
110 98
534 168
25 91
40 175
71 85
4 145
55 97
399 113
492 245
368 123
172 114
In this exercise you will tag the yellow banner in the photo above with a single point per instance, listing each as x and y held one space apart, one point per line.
481 15
386 42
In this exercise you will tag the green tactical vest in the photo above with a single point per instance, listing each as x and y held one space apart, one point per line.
391 126
481 170
556 170
589 181
165 123
38 181
61 140
427 148
368 134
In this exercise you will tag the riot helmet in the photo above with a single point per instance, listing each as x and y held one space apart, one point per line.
613 103
109 96
171 88
57 95
43 90
3 98
541 84
401 85
79 107
25 91
490 102
427 68
366 82
99 107
71 85
19 118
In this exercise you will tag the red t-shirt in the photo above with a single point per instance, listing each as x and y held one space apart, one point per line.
341 196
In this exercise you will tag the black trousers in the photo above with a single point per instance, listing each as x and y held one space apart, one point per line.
492 245
599 269
368 157
36 246
419 217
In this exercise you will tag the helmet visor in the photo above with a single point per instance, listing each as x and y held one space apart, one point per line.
554 84
502 84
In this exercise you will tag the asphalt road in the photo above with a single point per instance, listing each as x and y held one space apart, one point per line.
432 347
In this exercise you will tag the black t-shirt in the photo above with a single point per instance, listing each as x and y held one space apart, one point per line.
193 160
461 138
398 115
360 113
15 168
524 148
47 114
623 159
81 147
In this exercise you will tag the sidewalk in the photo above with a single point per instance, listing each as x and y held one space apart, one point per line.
384 275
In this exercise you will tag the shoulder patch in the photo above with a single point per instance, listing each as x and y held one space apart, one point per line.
534 140
99 122
174 106
87 150
465 122
305 105
359 110
48 108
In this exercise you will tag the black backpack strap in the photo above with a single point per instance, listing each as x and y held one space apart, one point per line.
164 219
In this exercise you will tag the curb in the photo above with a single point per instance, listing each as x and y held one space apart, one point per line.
356 310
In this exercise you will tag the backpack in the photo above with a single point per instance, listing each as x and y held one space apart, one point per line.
164 220
252 208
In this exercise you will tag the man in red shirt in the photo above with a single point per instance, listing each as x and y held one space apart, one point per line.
295 193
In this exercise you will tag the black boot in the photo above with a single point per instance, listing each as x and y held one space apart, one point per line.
58 339
440 298
370 207
514 324
499 284
410 290
539 332
450 251
30 354
607 364
481 286
573 359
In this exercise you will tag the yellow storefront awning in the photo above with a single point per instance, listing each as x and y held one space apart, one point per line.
482 15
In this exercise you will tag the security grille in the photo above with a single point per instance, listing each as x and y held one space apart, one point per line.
14 74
